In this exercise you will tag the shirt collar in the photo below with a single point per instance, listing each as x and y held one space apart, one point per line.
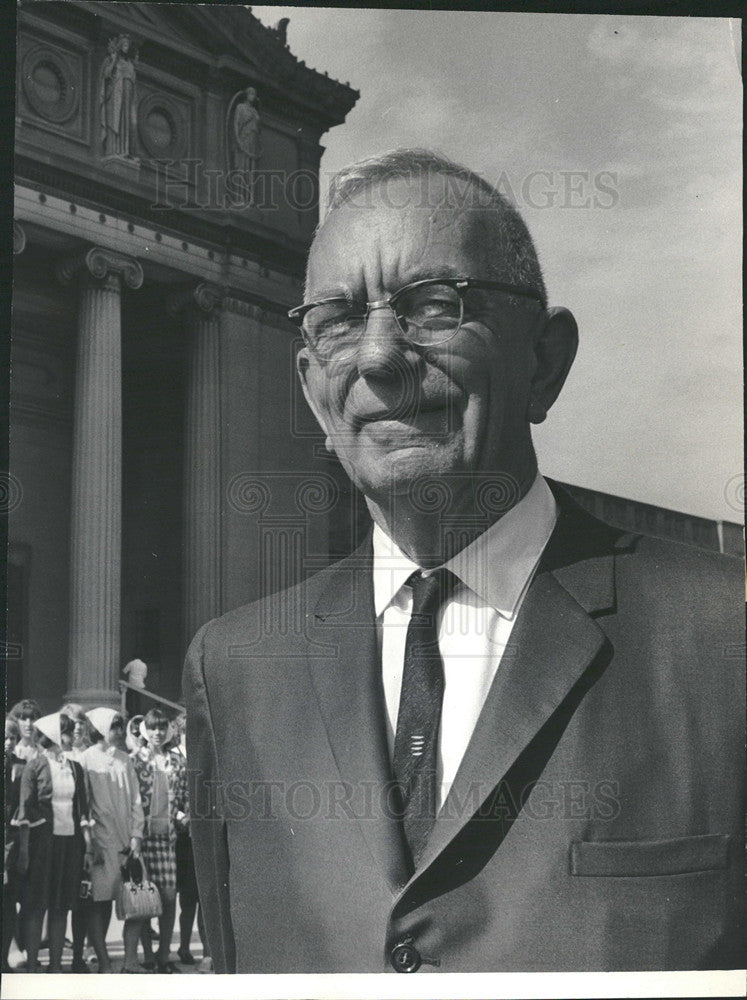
497 565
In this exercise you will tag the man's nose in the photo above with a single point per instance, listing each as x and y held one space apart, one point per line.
382 345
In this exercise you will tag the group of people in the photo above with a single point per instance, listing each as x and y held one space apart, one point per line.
88 794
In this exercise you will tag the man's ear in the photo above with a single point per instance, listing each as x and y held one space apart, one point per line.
555 348
303 362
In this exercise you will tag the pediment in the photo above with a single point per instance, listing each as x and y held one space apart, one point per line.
228 31
234 31
155 20
230 37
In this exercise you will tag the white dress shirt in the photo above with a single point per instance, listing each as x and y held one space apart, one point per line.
494 572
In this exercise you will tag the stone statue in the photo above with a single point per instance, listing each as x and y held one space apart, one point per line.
281 29
242 131
117 99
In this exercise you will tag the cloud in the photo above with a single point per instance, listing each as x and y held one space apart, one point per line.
661 43
651 407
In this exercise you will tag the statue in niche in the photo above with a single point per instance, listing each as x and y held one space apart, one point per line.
117 99
242 132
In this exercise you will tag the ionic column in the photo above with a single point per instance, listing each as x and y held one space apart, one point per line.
244 488
200 307
96 529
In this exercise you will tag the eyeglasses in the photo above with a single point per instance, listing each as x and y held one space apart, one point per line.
427 313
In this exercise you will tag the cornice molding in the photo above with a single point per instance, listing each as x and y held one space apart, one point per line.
275 249
244 32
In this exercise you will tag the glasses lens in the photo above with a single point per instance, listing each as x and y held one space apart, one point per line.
429 314
333 329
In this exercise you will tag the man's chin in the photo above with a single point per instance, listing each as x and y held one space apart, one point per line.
393 470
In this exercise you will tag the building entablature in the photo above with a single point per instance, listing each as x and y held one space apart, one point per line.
197 121
66 228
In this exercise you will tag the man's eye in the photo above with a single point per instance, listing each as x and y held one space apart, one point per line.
331 325
432 305
432 310
332 319
435 307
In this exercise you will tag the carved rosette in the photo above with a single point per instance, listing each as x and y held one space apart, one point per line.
51 83
103 265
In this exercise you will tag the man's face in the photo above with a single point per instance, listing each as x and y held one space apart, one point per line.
395 411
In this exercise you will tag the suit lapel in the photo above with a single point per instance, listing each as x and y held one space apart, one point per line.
343 661
554 641
552 644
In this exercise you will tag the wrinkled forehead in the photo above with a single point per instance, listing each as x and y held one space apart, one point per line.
401 230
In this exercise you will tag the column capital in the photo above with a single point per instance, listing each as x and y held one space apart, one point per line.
101 263
19 238
205 296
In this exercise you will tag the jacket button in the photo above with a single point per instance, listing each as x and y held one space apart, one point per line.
405 958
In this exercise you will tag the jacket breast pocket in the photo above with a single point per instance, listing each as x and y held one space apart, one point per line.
640 858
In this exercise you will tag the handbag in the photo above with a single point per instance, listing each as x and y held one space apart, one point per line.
86 886
137 898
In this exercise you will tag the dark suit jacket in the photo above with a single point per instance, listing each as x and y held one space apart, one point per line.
35 797
594 823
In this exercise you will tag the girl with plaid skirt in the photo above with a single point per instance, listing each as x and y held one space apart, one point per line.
162 775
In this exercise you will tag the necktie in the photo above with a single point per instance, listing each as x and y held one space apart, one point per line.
416 739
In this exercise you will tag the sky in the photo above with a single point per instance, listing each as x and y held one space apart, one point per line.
619 139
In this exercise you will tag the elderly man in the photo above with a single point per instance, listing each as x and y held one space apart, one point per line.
501 736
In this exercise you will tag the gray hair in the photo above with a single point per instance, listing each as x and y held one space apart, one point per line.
515 257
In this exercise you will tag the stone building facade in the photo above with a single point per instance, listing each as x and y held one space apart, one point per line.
164 467
167 162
